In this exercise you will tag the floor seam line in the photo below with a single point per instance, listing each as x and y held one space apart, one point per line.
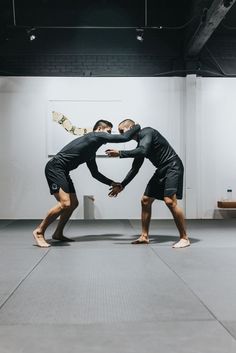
191 290
23 279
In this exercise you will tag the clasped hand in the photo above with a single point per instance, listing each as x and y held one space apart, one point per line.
115 189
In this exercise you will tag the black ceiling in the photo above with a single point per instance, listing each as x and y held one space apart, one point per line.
83 27
98 12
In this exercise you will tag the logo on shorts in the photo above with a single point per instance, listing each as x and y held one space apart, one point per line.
54 186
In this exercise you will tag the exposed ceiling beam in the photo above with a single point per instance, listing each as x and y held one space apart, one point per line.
14 12
210 21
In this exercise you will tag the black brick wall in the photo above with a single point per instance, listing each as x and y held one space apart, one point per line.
86 65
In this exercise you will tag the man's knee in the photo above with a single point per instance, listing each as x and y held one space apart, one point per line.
146 201
65 204
170 202
69 204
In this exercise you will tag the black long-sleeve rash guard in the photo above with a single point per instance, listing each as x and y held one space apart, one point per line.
83 150
152 145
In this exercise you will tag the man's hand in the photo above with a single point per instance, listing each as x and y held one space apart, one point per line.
112 153
115 189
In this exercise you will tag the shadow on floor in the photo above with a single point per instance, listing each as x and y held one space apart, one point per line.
121 239
98 237
58 243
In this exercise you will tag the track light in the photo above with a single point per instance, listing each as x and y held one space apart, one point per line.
32 37
140 34
31 34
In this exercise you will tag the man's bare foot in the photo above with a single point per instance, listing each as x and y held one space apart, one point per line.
182 243
61 237
40 240
141 240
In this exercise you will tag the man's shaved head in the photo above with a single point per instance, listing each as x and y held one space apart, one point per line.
125 124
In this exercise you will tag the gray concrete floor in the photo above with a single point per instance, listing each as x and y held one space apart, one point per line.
101 294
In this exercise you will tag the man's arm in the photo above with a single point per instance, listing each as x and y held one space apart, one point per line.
92 165
127 136
140 151
136 165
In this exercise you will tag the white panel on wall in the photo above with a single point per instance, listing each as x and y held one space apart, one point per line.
82 114
216 142
191 136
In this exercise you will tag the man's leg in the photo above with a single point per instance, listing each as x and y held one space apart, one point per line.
63 204
146 203
178 214
64 217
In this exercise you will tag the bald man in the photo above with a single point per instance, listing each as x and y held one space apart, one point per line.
166 184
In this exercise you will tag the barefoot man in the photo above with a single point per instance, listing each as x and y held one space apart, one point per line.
166 183
81 150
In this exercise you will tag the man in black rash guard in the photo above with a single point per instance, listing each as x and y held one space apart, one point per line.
166 183
81 150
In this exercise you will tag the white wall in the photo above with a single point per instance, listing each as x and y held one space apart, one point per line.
196 115
156 102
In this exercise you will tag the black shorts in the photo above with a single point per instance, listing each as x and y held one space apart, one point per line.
58 178
167 181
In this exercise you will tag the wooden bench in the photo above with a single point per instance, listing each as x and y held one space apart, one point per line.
226 204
